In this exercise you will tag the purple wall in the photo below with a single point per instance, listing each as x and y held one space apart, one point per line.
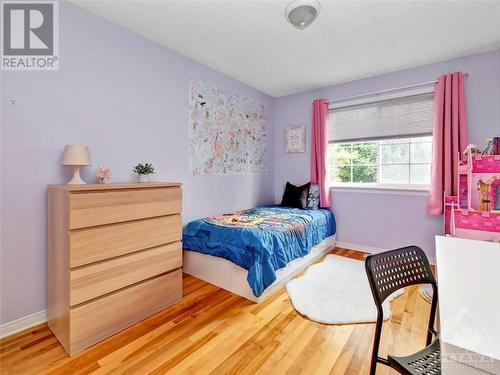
124 96
382 220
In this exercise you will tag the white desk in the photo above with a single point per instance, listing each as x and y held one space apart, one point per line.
469 305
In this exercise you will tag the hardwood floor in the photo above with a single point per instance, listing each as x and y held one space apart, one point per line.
214 331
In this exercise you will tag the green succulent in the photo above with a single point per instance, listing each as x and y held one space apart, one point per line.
144 168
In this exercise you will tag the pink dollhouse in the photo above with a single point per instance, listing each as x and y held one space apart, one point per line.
475 212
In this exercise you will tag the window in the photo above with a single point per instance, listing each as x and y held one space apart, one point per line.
387 143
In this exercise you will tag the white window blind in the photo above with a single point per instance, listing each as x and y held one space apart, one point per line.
408 116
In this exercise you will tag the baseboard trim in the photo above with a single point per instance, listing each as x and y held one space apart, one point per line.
371 249
359 247
21 324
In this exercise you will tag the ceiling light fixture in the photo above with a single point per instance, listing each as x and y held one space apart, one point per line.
301 13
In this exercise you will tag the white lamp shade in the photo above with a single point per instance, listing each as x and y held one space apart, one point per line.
76 155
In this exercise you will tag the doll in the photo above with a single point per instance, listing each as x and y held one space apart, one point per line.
496 146
493 147
473 150
489 147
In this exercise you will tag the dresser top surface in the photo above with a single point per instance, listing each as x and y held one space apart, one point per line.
114 186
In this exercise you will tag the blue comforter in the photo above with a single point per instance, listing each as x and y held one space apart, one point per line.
260 240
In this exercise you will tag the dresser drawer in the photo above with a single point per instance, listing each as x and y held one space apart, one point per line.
94 244
94 321
98 208
97 279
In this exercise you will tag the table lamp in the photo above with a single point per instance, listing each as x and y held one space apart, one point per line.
76 155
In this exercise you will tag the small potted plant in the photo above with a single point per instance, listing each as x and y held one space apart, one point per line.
143 171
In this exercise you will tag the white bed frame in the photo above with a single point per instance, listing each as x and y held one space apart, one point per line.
229 276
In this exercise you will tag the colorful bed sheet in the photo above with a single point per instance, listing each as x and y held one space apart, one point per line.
260 240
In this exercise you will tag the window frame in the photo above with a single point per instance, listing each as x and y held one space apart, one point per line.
378 185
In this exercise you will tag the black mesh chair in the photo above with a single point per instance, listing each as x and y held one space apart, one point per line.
388 272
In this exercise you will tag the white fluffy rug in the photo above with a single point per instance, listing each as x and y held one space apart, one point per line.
336 291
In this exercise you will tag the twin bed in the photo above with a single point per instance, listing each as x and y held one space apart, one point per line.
253 252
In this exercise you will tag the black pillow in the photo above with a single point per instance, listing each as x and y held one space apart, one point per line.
295 196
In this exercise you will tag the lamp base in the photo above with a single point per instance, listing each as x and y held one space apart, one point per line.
76 180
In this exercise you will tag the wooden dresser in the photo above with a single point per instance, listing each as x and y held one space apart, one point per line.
114 258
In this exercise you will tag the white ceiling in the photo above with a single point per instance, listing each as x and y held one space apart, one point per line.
252 42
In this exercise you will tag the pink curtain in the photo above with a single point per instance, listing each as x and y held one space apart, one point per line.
450 138
319 170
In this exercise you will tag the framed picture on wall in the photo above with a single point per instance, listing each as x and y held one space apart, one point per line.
295 139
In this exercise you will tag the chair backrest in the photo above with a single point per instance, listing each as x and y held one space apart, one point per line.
396 269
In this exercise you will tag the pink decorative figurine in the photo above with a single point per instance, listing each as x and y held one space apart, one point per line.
103 175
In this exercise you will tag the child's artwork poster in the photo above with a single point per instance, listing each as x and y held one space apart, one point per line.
227 132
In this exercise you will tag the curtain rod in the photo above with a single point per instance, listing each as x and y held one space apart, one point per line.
388 90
